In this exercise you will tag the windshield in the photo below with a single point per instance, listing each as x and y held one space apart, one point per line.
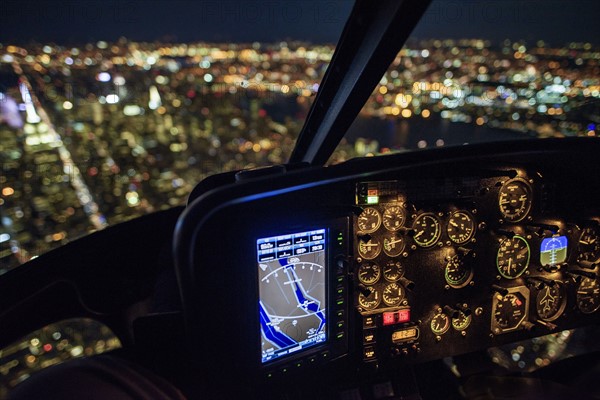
111 112
482 71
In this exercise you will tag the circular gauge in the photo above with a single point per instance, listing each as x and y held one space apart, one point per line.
457 274
370 301
515 199
550 302
510 310
461 227
513 257
589 245
461 322
393 294
588 295
393 218
369 273
369 220
369 249
427 230
393 244
440 324
393 271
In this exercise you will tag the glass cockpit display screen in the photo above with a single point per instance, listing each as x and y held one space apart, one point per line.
292 295
553 250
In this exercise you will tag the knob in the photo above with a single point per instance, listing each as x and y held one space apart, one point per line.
464 252
587 264
452 312
539 282
548 325
366 291
578 274
500 289
527 325
464 309
407 283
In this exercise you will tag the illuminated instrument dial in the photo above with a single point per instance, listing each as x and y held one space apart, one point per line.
369 249
461 322
393 271
370 301
369 273
589 245
513 257
369 220
553 250
461 227
457 274
588 295
440 324
393 294
427 230
393 245
515 199
394 218
550 302
510 310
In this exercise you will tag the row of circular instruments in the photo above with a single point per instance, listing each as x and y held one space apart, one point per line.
426 230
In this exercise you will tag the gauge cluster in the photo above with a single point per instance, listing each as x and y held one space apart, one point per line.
386 261
472 259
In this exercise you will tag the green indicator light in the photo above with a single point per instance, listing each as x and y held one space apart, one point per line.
372 199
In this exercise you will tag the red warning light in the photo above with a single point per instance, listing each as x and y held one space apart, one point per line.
388 318
396 317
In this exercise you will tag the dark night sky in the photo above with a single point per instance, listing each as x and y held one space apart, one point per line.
556 21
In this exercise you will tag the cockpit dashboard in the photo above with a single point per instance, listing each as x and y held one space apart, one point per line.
352 272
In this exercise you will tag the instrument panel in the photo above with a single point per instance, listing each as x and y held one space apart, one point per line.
466 260
418 257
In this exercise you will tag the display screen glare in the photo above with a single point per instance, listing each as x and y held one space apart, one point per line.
292 296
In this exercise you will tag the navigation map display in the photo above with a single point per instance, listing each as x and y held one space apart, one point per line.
292 296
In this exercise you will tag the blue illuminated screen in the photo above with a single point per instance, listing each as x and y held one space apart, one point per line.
553 250
292 295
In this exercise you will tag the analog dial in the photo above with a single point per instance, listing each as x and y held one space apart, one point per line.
394 218
427 230
588 295
515 200
589 245
513 257
369 220
393 244
369 249
393 294
393 271
457 274
461 322
369 273
461 227
371 301
440 324
510 310
550 302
